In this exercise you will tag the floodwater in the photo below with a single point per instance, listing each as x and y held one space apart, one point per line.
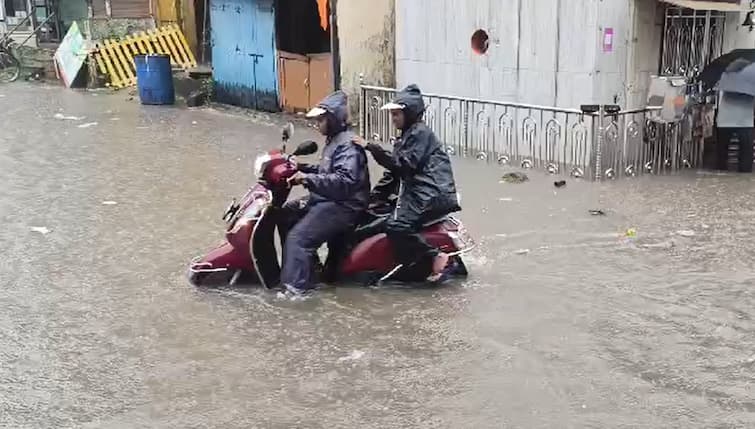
564 323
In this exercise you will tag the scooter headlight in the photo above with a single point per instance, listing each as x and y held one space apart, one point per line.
260 164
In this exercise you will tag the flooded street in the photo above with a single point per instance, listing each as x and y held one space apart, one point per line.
564 322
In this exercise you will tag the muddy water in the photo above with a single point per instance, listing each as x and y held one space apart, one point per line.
564 323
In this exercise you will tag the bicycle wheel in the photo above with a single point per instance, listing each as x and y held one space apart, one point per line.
9 67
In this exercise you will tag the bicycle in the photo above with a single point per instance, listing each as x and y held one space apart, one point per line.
10 67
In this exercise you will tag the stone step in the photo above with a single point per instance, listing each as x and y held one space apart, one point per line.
19 36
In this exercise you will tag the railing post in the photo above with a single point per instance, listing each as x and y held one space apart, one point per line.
597 136
599 147
465 109
362 106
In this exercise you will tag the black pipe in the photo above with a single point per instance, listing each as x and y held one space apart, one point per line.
335 50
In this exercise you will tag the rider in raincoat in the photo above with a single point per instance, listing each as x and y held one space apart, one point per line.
339 190
418 181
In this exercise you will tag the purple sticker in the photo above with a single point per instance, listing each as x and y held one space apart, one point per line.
608 40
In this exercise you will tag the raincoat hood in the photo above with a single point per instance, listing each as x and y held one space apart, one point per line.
336 106
414 105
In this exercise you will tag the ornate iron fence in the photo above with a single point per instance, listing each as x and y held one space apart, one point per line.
593 145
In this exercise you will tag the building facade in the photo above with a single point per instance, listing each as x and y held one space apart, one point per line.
561 52
289 54
96 18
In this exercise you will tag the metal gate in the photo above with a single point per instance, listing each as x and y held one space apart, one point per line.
691 39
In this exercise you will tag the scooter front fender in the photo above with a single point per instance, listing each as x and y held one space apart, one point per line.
225 257
235 255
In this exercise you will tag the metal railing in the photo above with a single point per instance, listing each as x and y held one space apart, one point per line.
593 145
691 39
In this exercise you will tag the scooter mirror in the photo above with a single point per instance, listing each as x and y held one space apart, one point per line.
288 131
306 148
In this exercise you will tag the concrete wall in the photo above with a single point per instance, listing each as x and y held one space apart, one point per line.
736 36
644 58
70 11
366 35
623 76
3 29
117 28
541 52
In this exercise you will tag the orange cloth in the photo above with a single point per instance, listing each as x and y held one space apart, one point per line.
322 7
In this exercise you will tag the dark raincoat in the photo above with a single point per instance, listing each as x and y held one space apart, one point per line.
342 175
339 191
418 171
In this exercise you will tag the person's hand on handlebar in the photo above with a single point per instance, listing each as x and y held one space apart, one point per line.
297 179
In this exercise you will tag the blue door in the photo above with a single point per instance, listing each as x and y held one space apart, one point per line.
243 53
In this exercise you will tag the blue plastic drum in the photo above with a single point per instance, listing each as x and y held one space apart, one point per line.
154 79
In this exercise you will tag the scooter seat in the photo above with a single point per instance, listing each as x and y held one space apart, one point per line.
435 221
378 218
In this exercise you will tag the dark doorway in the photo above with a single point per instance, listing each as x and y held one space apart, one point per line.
202 22
299 27
305 62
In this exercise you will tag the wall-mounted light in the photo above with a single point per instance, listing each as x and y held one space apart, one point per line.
749 21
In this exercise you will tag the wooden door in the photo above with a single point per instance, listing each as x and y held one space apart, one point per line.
305 80
320 77
294 79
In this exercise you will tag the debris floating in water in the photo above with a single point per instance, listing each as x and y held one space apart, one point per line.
88 124
68 118
597 212
354 355
514 177
41 230
522 252
560 183
109 203
630 233
661 245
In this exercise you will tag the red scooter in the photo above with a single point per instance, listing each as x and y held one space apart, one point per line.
249 250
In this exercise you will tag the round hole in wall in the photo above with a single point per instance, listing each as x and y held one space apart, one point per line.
480 42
